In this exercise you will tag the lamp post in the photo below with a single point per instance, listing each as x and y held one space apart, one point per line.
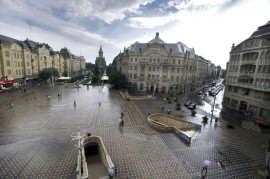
213 106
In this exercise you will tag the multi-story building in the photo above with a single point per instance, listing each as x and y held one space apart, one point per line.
248 76
73 65
25 59
202 70
159 66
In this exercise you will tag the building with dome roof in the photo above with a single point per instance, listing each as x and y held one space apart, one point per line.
158 66
248 76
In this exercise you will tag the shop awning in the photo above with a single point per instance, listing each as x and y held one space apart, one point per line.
9 82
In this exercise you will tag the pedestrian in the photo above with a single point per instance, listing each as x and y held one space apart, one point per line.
216 119
48 97
206 164
11 105
122 122
99 104
122 115
169 111
75 104
162 109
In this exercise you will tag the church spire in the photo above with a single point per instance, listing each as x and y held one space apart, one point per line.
100 52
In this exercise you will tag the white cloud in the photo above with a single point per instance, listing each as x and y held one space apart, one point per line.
184 4
212 33
106 10
150 22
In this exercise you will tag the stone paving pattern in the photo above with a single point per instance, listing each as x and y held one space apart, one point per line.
35 138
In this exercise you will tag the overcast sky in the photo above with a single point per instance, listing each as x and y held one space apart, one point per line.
209 26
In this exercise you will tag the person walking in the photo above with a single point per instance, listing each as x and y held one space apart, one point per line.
162 109
11 105
206 164
122 120
74 104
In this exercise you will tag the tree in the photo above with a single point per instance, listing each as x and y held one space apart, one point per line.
90 66
96 76
47 73
116 78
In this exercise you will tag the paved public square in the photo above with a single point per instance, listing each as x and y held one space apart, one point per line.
35 137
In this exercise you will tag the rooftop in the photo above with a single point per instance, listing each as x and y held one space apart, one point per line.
178 47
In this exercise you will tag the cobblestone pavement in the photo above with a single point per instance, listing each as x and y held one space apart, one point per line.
242 152
35 138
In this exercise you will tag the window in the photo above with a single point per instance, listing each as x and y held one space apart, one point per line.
8 63
7 53
173 61
178 70
135 76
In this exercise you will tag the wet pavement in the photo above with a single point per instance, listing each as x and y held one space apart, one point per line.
35 137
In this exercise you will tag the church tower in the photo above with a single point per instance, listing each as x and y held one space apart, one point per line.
100 52
100 61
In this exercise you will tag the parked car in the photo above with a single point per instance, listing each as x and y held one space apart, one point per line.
187 103
192 106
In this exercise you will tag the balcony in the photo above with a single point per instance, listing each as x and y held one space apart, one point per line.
247 74
248 62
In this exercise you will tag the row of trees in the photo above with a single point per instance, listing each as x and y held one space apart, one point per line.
117 79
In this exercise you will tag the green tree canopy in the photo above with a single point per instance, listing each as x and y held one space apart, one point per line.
116 78
47 73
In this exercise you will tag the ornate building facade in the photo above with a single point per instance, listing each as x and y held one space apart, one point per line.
159 67
248 76
25 59
100 61
73 65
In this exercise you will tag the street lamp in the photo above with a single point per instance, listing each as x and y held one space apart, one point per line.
213 106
